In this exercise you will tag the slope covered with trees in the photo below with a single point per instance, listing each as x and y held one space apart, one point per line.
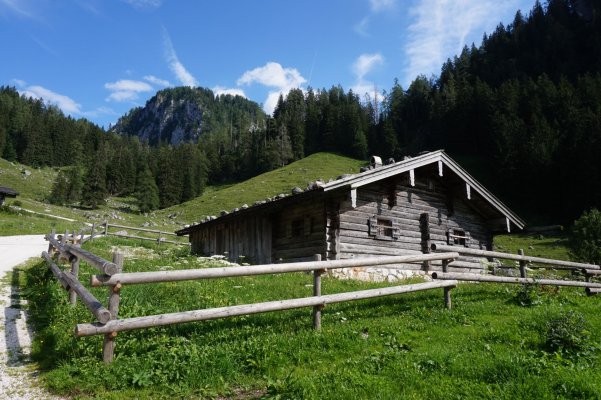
523 109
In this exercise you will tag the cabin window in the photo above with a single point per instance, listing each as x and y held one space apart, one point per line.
297 227
383 228
458 237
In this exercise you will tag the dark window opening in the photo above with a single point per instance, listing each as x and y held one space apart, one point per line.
458 237
297 228
384 227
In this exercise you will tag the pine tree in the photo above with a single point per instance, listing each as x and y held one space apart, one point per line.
147 192
94 190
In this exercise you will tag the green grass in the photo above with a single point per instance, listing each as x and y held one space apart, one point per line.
408 346
35 188
538 245
323 166
14 222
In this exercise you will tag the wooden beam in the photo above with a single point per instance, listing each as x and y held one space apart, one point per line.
468 191
133 278
509 279
412 177
559 264
247 309
354 198
439 168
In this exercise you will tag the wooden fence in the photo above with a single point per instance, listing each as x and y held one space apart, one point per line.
113 277
588 270
159 239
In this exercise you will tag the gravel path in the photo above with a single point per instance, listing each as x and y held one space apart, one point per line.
17 374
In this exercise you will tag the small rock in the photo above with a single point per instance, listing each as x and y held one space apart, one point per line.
235 210
297 190
26 172
244 206
145 224
121 233
223 212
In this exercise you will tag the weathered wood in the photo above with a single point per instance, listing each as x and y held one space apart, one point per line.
131 278
447 291
75 272
247 309
592 291
485 253
317 292
592 272
133 228
160 240
104 266
56 271
58 246
522 264
108 347
508 279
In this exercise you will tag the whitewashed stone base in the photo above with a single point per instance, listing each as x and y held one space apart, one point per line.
377 274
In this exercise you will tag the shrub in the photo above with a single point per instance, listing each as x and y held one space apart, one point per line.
528 295
568 335
585 241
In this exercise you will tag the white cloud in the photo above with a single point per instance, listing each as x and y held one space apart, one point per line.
361 27
362 66
365 63
181 73
440 27
18 82
126 90
219 90
157 81
381 5
65 103
19 7
273 75
144 4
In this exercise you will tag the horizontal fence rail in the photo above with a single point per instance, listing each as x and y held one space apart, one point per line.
227 272
558 264
247 309
159 239
511 279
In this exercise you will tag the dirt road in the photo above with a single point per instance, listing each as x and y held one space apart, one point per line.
17 374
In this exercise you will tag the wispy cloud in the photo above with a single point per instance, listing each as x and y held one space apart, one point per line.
181 73
375 7
362 66
126 90
219 90
381 5
19 7
144 4
43 45
157 81
440 27
65 103
275 76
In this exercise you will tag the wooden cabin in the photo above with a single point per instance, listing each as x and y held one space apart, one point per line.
395 209
7 192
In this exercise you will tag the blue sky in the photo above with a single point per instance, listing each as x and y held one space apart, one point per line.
99 58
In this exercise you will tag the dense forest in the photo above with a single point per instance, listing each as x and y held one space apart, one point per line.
523 109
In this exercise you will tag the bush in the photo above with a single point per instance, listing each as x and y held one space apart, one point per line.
528 295
585 241
568 335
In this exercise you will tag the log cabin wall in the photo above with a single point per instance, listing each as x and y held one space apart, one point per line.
386 221
245 238
299 232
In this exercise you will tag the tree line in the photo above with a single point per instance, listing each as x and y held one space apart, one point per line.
523 111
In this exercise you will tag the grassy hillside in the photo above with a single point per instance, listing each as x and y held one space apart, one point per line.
35 188
317 166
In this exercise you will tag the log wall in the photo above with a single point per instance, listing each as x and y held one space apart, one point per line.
247 236
348 230
298 232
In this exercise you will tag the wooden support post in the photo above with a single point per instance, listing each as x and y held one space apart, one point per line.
106 228
75 272
51 249
522 264
317 292
64 238
108 347
424 227
93 230
447 290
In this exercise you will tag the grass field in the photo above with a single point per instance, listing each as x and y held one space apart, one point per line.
35 188
489 346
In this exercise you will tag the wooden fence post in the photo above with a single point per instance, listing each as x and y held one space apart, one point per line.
50 247
93 229
522 264
106 228
75 272
317 292
108 348
447 290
